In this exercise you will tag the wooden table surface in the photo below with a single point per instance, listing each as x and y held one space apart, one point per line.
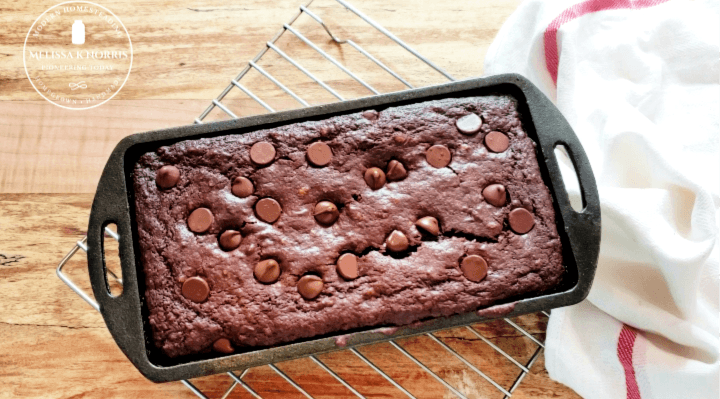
52 344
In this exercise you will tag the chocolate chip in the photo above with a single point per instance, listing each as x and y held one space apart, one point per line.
242 187
370 115
397 241
195 289
262 153
268 210
230 239
223 345
469 124
326 130
319 154
267 271
474 268
429 224
521 220
438 156
375 178
326 212
310 286
200 220
495 195
396 171
347 266
497 142
167 176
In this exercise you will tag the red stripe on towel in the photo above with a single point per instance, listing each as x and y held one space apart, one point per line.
626 343
552 54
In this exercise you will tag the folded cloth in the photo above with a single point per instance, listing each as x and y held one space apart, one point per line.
638 80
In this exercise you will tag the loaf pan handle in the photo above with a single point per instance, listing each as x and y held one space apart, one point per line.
582 228
122 313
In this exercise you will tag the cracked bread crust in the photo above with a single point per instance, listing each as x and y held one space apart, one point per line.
392 289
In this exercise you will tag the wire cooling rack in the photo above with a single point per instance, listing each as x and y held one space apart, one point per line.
523 368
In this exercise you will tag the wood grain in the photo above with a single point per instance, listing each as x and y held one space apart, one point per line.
186 52
55 345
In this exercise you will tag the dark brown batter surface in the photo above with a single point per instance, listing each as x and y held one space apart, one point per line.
391 288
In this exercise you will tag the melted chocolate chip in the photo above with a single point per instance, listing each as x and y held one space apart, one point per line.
521 220
347 266
200 220
262 153
196 289
268 210
396 171
310 286
223 345
429 224
497 142
375 178
474 268
370 115
326 212
230 239
397 241
495 195
319 154
242 187
438 156
167 176
469 124
267 271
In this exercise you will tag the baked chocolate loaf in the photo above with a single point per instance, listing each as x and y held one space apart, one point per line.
368 219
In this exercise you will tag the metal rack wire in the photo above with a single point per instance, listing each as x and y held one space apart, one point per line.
237 378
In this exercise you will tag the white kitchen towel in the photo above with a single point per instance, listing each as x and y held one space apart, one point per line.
639 81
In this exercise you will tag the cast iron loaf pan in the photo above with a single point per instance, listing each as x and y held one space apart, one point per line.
126 315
